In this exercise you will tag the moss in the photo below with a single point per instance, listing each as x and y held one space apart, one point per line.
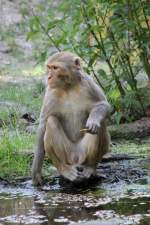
137 147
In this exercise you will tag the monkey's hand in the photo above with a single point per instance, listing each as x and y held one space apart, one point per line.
92 125
37 178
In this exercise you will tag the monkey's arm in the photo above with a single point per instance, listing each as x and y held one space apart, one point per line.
40 152
100 109
38 157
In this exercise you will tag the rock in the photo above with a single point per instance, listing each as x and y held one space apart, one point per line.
10 13
29 117
4 48
128 131
32 129
23 122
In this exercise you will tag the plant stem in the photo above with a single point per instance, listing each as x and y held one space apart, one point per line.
45 31
102 47
144 13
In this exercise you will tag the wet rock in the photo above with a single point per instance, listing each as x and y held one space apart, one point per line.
97 222
126 171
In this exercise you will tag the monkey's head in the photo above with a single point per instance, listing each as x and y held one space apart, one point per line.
64 70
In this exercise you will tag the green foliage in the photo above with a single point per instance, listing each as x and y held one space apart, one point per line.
16 144
12 161
118 116
19 96
115 32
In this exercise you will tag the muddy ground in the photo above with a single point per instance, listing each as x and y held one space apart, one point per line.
120 195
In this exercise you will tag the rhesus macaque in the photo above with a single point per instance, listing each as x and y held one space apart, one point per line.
72 129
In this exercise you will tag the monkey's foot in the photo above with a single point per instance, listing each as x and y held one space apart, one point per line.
69 172
37 179
77 173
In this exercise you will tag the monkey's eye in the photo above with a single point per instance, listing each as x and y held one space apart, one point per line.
54 67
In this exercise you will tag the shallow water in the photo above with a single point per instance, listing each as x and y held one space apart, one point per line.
117 203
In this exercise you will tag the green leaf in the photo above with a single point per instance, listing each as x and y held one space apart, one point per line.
31 35
118 116
103 74
53 24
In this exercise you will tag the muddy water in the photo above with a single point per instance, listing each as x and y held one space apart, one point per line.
104 203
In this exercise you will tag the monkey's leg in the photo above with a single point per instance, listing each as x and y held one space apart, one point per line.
104 142
95 146
89 144
59 148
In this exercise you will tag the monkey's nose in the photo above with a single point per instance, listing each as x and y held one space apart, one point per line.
49 77
80 169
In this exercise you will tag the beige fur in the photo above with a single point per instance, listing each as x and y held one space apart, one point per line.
72 102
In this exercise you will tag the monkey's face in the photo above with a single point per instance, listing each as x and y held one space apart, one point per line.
62 74
58 75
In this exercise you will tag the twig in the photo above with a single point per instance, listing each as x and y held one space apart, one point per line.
84 130
45 31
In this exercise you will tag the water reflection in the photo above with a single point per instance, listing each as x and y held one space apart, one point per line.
55 207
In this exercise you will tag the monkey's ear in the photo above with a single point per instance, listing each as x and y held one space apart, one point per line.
77 62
